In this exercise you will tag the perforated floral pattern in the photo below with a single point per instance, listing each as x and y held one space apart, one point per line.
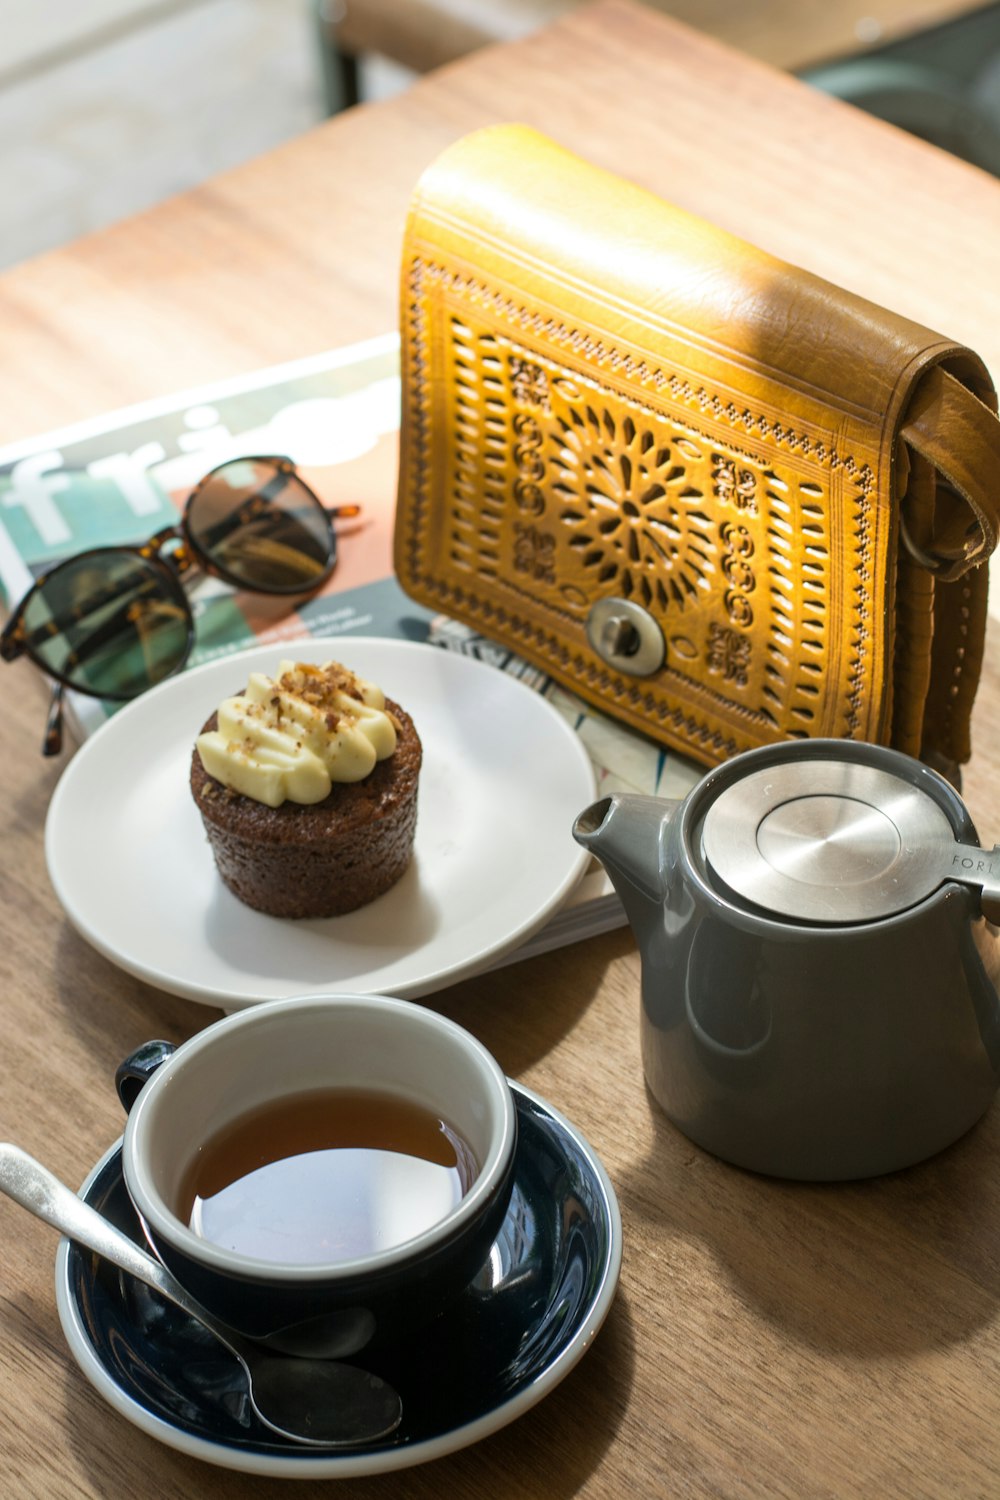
632 511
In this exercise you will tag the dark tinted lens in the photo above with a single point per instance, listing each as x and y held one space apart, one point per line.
108 623
261 527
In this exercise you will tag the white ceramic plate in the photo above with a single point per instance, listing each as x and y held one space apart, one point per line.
503 778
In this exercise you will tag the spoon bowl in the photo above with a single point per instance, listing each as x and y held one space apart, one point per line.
321 1403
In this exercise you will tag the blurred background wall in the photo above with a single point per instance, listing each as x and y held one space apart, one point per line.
108 106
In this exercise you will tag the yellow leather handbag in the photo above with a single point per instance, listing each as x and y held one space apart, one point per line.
716 496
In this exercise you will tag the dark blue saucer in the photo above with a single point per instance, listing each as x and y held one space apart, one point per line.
511 1336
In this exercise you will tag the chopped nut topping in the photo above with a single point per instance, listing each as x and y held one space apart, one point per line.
319 685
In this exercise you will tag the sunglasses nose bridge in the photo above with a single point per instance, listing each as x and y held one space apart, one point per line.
179 558
183 557
156 543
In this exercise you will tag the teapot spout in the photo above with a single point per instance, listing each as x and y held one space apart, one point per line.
624 831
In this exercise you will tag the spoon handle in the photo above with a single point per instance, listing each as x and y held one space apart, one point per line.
33 1186
320 1403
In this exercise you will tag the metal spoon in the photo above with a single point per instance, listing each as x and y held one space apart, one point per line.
318 1402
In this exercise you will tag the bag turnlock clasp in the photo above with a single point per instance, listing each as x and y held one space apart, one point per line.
626 637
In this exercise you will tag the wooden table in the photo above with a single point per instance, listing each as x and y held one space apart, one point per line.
768 1339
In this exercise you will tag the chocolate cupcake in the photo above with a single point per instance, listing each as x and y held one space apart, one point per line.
307 788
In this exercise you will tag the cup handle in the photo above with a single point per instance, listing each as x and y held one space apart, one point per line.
137 1067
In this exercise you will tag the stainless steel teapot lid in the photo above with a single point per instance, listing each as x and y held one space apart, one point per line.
835 841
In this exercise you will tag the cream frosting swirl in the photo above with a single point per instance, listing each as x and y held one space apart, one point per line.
290 737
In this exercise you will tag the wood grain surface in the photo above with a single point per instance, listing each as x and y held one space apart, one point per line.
768 1339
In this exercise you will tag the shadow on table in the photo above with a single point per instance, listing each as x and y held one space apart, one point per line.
111 1013
895 1264
521 1012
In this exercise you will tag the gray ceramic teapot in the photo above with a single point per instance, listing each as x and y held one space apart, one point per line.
819 956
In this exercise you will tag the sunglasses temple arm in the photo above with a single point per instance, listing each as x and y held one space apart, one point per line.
52 742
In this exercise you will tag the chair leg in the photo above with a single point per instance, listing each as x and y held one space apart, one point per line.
341 83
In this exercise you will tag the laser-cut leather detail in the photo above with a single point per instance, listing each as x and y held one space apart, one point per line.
579 424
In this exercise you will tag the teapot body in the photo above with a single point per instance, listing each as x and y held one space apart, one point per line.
822 1054
797 1048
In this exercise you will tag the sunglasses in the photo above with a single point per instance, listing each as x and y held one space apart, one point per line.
115 621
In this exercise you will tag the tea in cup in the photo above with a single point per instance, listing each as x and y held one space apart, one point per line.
325 1172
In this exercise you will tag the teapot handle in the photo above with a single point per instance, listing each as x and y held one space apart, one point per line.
970 865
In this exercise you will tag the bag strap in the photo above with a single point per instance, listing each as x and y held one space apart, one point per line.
956 432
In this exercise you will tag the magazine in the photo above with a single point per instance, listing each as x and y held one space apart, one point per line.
124 476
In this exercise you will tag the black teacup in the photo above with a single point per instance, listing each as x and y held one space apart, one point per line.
325 1172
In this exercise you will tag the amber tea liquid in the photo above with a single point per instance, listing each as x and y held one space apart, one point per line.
324 1177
